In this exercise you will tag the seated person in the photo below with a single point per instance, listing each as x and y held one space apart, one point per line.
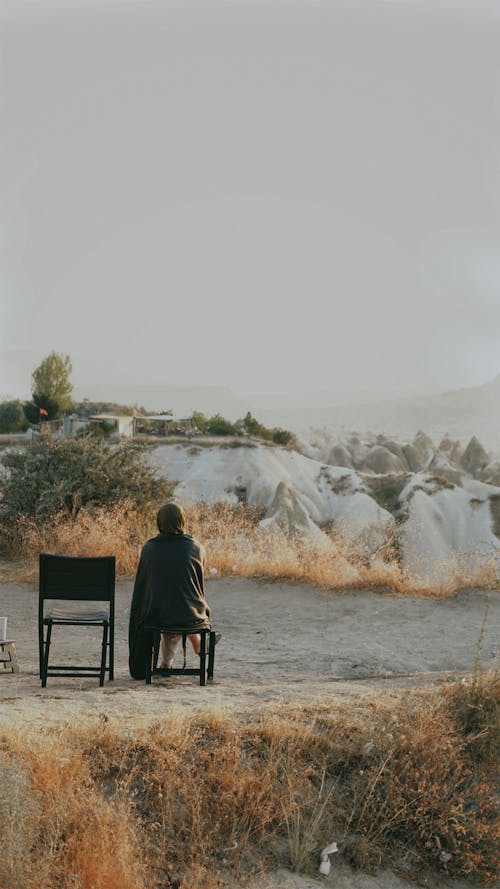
169 590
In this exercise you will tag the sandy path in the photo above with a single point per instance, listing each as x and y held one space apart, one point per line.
282 643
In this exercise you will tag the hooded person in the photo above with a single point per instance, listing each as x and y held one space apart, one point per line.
169 590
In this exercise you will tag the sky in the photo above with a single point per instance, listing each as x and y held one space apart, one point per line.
276 196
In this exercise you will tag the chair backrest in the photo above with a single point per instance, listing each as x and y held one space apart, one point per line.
78 578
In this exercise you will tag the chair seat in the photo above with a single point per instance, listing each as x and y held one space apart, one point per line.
178 631
64 615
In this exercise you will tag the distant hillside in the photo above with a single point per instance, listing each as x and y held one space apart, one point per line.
460 412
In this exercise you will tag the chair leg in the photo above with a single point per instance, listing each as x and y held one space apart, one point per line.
211 655
203 658
104 651
153 650
45 659
40 647
111 652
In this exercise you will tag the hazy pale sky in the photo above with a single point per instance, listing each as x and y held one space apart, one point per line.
266 195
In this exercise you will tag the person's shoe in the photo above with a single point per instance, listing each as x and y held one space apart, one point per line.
165 666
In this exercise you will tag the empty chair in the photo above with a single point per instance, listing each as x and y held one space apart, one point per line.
76 579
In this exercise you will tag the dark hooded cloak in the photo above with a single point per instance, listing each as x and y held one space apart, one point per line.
169 591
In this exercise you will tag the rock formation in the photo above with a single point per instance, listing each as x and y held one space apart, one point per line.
382 462
288 515
474 458
340 456
439 466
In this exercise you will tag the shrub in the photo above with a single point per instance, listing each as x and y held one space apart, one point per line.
278 436
11 416
60 477
282 436
199 420
252 426
219 425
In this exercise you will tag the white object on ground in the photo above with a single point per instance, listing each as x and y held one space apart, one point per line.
324 864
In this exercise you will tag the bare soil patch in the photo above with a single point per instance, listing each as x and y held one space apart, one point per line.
281 642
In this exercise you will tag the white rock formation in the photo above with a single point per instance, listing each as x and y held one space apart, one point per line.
381 461
450 520
439 466
448 530
286 514
474 458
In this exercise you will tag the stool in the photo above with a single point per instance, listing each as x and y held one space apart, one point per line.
204 671
8 656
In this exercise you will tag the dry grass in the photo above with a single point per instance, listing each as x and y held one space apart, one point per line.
235 545
392 780
119 530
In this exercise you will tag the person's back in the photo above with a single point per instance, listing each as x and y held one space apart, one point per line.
170 581
169 589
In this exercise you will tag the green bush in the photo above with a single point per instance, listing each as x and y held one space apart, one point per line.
282 436
218 425
252 426
52 476
199 420
12 417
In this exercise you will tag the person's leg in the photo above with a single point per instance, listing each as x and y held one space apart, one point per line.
168 646
195 642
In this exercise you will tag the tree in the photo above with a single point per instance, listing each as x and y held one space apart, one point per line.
252 426
51 380
40 403
11 416
199 420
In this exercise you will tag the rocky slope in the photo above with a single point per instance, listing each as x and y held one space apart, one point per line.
438 506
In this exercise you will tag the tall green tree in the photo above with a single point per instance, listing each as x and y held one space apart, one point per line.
51 380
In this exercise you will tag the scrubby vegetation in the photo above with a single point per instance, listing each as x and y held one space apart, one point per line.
12 417
235 545
395 781
219 425
52 483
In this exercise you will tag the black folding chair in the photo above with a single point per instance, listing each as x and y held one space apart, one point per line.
76 579
207 658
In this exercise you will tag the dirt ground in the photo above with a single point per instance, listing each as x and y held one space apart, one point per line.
282 643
